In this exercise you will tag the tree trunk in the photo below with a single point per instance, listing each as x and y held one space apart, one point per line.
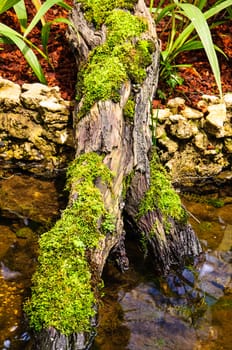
126 146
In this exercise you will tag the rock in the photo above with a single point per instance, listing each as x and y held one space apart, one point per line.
214 277
8 274
52 118
53 105
161 114
36 93
201 141
191 113
175 103
20 126
183 129
160 131
226 243
202 105
35 125
228 100
9 94
215 120
228 145
174 118
211 99
170 145
208 169
228 128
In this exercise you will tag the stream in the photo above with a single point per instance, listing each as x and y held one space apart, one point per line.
187 310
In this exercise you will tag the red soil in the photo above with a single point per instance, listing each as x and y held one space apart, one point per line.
198 79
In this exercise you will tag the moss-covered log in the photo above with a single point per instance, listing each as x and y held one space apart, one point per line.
114 177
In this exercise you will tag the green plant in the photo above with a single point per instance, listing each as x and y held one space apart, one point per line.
161 195
62 292
11 36
124 55
184 19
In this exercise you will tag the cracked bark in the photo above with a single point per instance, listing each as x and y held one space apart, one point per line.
126 146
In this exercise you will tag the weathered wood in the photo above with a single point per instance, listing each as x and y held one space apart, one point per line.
125 145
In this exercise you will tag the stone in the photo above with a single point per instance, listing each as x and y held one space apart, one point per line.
9 94
228 128
175 103
211 99
170 145
160 131
215 120
53 105
35 93
202 105
161 114
191 113
228 145
183 129
209 169
201 141
228 100
174 118
19 126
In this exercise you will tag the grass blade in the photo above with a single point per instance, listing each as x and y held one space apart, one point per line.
7 4
43 9
199 22
21 12
29 55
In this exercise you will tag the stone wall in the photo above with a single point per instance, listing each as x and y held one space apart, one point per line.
35 129
195 143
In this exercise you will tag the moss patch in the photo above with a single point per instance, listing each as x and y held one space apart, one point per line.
124 56
161 195
96 11
62 294
129 108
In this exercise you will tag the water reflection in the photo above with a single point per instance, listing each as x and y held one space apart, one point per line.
190 311
28 206
139 311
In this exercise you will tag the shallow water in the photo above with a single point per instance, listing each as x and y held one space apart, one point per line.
188 312
139 311
28 206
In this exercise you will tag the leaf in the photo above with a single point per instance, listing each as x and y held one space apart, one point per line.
189 29
43 9
45 32
29 55
21 12
198 20
7 4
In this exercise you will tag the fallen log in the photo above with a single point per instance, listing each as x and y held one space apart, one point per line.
115 178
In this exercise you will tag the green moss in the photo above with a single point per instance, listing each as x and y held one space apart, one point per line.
161 195
124 56
129 109
122 26
102 80
216 202
96 11
62 294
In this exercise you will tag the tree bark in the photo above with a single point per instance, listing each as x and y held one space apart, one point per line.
126 145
